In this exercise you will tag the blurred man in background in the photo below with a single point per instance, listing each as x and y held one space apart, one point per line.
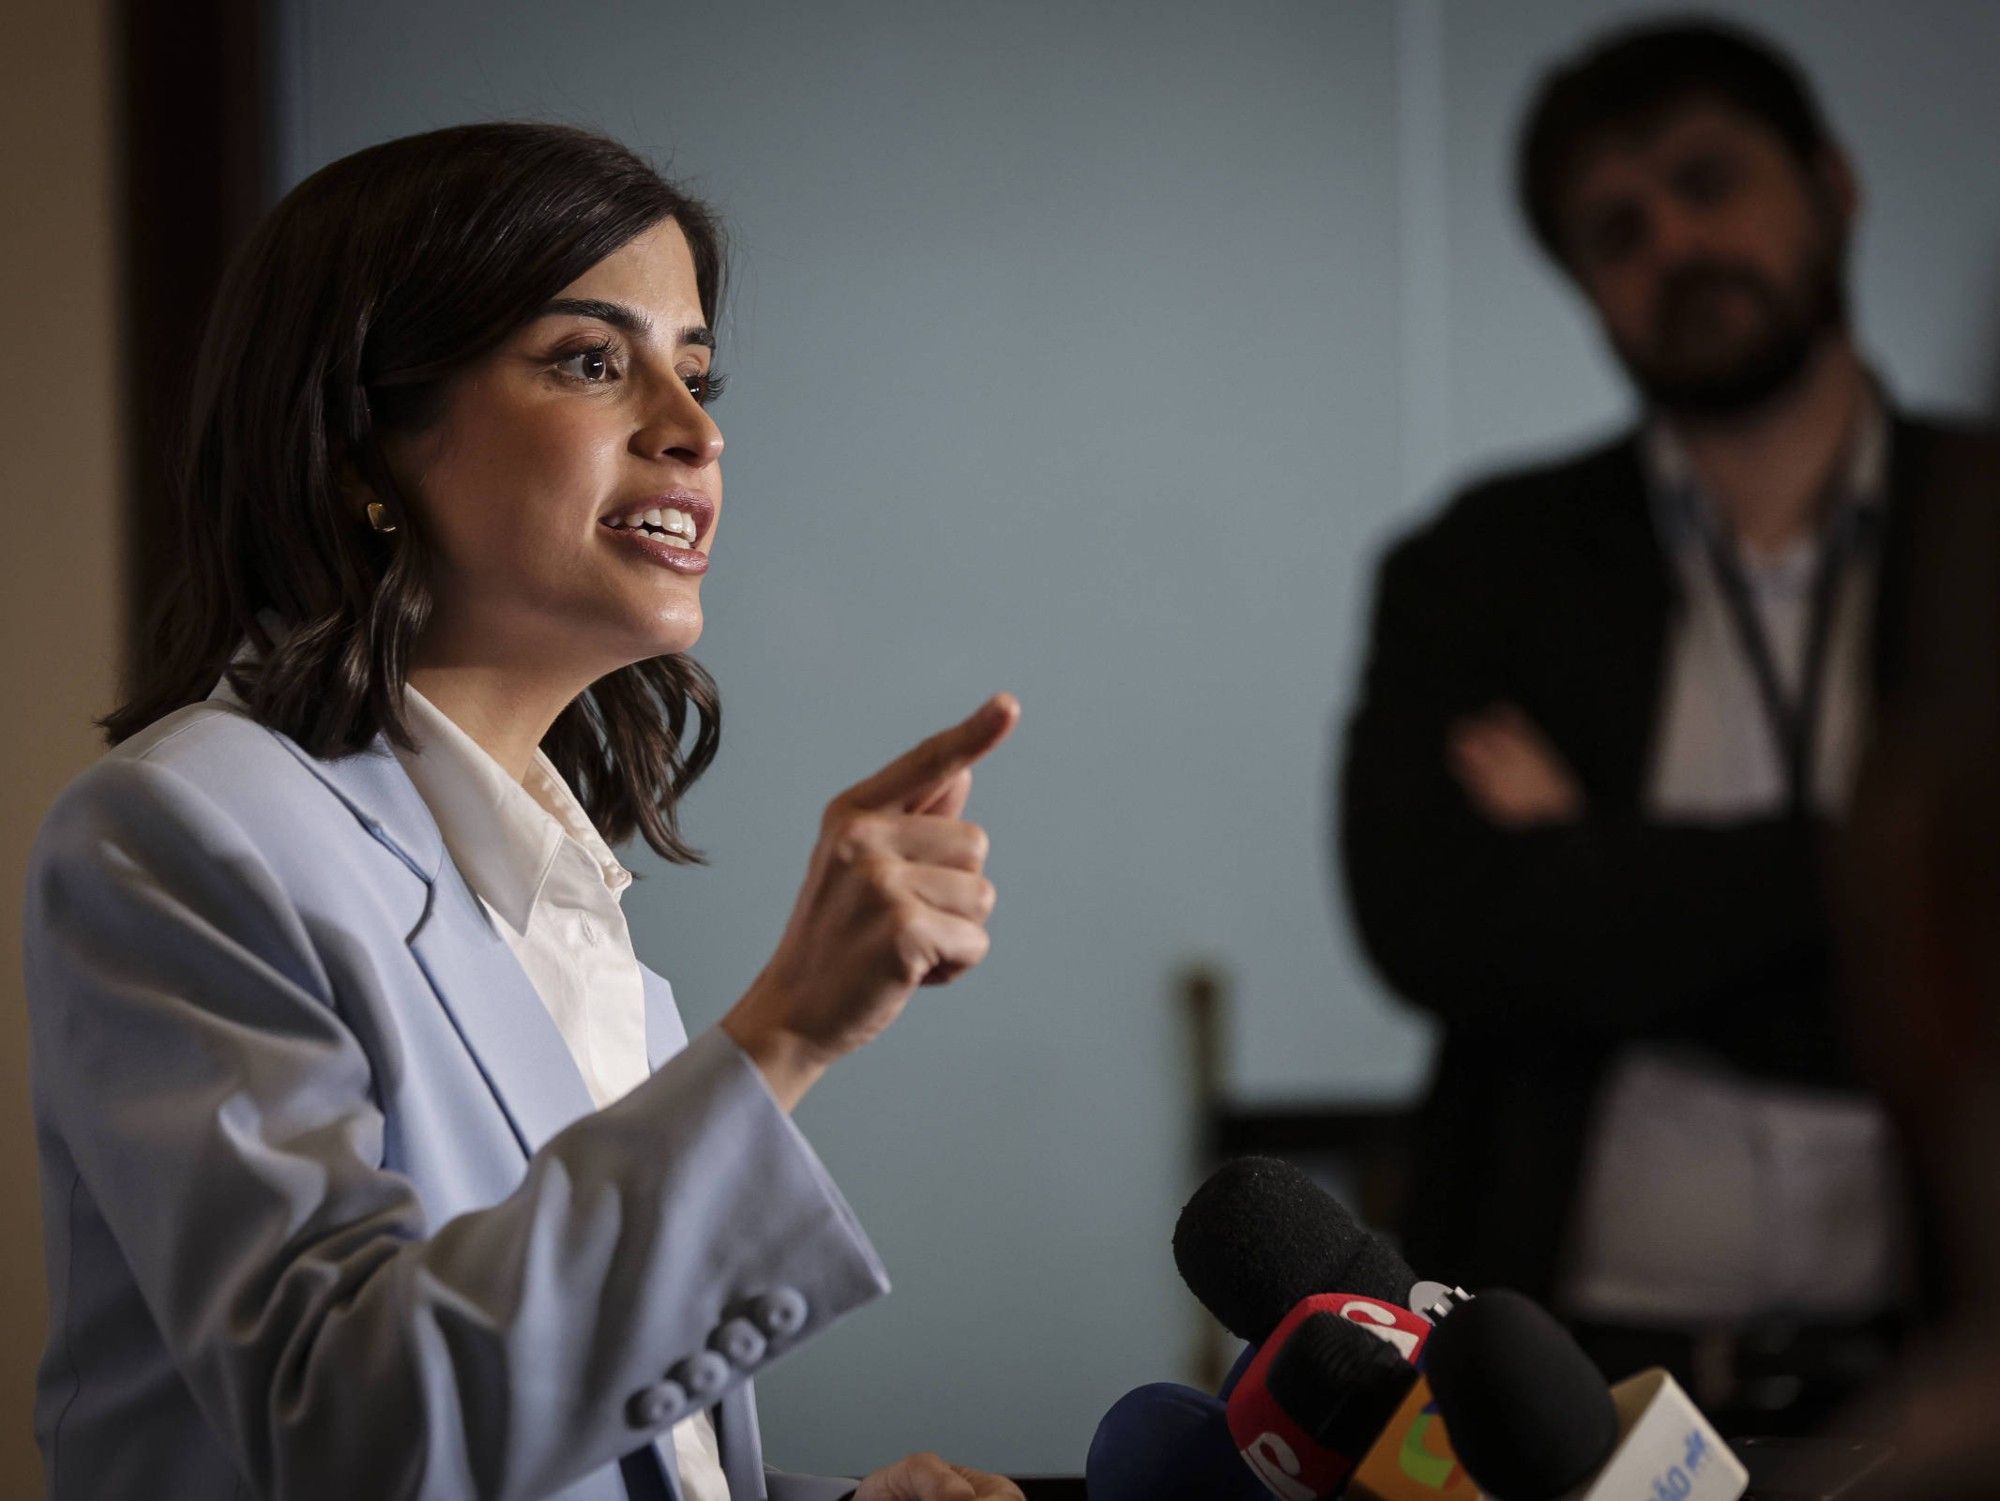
1610 706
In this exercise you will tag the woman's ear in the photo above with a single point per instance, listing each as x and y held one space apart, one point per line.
359 499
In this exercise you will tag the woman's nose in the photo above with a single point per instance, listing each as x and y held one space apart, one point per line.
682 430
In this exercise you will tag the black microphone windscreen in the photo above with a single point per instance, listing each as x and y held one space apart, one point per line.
1260 1235
1529 1413
1338 1382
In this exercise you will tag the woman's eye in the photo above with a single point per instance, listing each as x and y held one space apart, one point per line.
592 366
705 385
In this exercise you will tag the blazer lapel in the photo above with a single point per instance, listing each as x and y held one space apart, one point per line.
1631 599
1921 476
478 981
493 1004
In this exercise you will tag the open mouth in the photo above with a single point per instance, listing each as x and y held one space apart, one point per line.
676 528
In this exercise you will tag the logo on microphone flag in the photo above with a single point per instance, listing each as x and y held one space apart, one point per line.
1413 1459
1666 1449
1292 1464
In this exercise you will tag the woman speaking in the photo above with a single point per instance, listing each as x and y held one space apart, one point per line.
374 1164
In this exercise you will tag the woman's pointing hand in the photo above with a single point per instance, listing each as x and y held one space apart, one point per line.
895 896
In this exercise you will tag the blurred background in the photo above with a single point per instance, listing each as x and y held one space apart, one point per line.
1091 352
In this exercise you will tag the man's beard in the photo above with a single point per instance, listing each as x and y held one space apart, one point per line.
1719 383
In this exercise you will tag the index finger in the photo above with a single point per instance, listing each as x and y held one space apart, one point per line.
921 772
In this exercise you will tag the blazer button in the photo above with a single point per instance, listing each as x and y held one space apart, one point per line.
704 1375
657 1406
781 1313
739 1343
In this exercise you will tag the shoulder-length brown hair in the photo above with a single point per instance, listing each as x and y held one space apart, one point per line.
342 318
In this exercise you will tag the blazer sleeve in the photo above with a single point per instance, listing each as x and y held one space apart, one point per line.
191 1052
1612 924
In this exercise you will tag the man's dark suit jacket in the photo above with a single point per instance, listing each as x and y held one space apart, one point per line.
1543 951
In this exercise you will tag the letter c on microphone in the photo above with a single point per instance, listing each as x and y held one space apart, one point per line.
1278 1467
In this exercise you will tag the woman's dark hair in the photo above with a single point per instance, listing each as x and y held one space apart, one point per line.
1636 76
343 318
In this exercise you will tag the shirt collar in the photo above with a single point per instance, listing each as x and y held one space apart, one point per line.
503 835
1681 506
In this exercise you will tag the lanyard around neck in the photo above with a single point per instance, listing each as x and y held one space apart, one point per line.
1793 720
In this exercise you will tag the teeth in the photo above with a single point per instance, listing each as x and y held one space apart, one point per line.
674 527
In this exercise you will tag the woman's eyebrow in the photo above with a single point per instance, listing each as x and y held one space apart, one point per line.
626 319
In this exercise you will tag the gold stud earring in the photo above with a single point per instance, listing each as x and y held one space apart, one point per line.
378 517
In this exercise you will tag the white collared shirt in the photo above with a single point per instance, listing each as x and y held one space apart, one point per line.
551 885
1715 757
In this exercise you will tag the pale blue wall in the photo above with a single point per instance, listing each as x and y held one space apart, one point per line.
1090 351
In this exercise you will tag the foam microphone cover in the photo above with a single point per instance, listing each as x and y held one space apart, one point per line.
1528 1412
1260 1235
1338 1382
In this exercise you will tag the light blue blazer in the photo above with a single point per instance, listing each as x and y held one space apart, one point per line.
327 1209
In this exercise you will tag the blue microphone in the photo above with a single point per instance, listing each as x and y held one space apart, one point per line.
1167 1442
